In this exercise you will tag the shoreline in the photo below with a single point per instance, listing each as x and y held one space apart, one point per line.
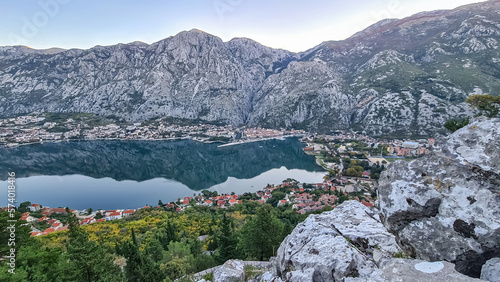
153 139
259 139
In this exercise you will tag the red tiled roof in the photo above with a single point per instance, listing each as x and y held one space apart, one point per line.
58 210
115 214
367 203
127 211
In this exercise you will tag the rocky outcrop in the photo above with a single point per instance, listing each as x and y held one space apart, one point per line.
491 270
347 242
230 271
406 270
446 206
350 244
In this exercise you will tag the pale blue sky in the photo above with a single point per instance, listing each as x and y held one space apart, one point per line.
295 25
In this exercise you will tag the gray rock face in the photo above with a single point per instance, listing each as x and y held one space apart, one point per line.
397 77
346 242
397 270
491 270
230 271
446 206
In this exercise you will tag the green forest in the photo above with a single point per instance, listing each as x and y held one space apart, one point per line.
153 244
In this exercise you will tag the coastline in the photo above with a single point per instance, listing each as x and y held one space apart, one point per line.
260 139
14 145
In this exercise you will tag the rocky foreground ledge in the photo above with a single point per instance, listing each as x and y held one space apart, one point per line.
437 219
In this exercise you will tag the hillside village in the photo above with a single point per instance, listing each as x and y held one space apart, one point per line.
30 129
301 197
361 157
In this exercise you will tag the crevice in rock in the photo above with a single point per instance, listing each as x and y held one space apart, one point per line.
399 220
470 262
464 229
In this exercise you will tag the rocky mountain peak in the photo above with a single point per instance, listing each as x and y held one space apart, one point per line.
402 77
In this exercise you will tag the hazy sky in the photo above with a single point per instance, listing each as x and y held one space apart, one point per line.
295 25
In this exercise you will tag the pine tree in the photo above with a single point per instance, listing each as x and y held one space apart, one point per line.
94 263
262 234
139 266
227 241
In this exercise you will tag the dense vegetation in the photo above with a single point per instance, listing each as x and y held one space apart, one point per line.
153 244
486 104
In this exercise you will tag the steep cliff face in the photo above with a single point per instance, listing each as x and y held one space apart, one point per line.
397 77
446 206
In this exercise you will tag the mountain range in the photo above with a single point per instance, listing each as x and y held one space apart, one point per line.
399 77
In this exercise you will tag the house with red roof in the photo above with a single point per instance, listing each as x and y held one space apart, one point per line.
52 221
127 213
221 203
282 202
368 204
208 203
34 207
233 202
48 231
35 233
108 212
87 220
114 215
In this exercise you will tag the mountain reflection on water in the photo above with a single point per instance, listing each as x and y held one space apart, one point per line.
196 165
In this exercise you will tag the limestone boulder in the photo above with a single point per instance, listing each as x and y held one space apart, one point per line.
491 270
348 241
446 206
230 271
408 270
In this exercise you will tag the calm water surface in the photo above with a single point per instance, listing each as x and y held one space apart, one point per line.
131 174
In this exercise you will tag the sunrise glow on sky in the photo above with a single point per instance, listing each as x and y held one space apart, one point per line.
289 24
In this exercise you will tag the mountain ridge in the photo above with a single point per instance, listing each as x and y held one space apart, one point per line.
398 77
